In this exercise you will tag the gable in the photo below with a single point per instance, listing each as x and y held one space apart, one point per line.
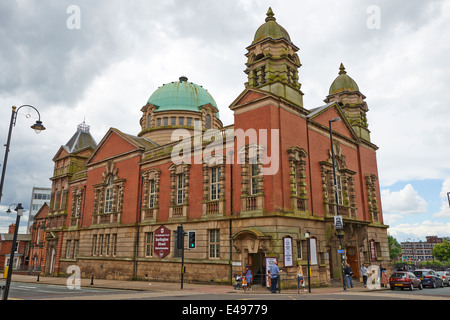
324 114
113 144
42 213
245 97
62 153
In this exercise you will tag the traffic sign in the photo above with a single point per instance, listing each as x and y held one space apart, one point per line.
338 222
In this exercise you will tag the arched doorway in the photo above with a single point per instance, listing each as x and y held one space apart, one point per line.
250 248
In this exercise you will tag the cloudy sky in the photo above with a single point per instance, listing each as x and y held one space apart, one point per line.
99 61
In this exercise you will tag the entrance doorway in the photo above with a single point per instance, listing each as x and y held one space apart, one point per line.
257 266
352 260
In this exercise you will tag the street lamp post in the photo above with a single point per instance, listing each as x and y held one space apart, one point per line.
340 236
19 210
448 197
307 235
38 127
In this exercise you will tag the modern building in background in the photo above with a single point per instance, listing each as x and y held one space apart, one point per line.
419 251
39 196
258 190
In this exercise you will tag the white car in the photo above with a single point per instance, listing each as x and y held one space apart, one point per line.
445 275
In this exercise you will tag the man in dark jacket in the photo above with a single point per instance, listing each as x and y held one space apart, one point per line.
348 275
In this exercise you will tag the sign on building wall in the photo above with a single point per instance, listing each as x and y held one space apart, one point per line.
373 255
313 251
162 241
288 259
269 262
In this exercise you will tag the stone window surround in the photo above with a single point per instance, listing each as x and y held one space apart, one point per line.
348 208
297 174
216 206
179 210
150 213
99 216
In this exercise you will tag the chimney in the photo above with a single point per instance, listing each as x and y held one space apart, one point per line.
12 227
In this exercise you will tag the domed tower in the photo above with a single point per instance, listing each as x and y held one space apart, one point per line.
179 104
345 90
273 62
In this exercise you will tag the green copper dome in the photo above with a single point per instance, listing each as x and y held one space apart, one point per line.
271 29
181 95
343 82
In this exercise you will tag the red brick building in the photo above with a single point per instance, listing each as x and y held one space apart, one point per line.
21 252
248 191
38 249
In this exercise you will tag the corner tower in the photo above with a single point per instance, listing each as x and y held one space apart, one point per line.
345 90
273 62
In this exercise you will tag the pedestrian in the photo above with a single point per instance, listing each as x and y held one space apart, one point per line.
348 275
248 277
300 279
274 273
364 274
383 276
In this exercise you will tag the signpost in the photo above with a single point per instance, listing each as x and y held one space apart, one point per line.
288 260
180 245
338 222
162 241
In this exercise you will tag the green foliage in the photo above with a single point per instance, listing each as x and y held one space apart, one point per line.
395 249
442 251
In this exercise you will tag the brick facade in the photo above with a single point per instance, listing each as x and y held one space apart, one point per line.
109 199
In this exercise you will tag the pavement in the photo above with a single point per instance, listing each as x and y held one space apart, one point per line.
176 287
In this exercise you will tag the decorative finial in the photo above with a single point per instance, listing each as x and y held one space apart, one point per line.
342 69
83 127
270 15
183 78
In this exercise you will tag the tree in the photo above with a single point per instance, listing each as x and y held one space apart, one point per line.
442 251
395 249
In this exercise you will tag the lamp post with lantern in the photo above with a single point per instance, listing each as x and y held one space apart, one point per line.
340 236
307 236
19 210
38 127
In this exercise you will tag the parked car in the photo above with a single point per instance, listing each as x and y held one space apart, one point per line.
445 275
429 277
404 279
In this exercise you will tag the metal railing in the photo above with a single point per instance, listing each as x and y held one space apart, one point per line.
261 283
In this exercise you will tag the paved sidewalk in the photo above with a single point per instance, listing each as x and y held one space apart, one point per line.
171 286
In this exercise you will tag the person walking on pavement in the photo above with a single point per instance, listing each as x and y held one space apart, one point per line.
364 274
248 276
348 275
300 279
274 272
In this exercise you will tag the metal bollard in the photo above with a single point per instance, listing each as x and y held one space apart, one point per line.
92 280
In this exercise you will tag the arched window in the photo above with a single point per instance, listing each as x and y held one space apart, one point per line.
340 197
208 121
149 120
109 198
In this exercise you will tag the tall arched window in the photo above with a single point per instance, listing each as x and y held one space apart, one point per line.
208 121
340 198
109 198
149 120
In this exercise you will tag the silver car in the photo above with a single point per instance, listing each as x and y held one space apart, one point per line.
445 275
